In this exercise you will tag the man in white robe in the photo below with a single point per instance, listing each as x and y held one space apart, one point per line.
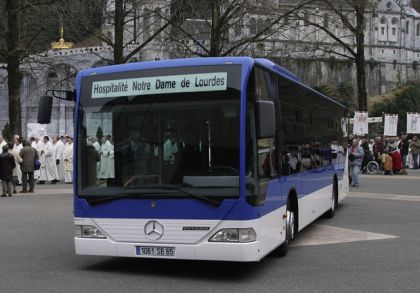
34 142
2 141
48 162
169 150
68 161
55 148
107 160
16 148
111 166
60 158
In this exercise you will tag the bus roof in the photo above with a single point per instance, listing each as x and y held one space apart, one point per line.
248 61
291 77
169 63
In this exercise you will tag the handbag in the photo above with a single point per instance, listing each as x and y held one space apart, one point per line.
37 164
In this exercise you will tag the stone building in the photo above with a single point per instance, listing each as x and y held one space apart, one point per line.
392 49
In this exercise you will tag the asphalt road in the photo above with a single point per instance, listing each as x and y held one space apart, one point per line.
37 254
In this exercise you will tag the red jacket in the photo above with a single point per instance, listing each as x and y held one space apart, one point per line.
396 161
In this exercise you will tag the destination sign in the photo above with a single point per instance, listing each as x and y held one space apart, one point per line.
203 82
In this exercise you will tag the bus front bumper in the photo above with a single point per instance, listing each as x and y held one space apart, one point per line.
241 252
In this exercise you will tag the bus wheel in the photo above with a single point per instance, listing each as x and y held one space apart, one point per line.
290 233
334 202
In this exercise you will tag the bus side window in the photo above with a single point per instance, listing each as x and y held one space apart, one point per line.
269 154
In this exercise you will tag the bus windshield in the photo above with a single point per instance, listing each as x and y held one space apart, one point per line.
161 136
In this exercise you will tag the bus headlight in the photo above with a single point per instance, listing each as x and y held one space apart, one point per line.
87 231
234 235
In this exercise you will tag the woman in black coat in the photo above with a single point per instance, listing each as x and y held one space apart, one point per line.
7 164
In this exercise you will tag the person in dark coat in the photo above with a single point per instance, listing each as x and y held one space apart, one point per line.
28 155
7 164
403 146
92 158
378 149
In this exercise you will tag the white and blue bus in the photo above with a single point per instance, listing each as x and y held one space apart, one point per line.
209 159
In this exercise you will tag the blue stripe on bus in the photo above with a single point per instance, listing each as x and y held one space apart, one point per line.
231 209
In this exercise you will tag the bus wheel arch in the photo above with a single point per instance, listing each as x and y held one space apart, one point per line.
334 199
292 213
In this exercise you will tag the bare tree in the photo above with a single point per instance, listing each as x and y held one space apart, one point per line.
144 18
227 27
19 37
350 17
12 55
130 26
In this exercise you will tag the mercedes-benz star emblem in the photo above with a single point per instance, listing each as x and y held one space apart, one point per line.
153 230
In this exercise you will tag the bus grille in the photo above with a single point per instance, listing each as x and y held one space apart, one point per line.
174 231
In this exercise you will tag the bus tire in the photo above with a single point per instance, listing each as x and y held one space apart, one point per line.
290 233
334 201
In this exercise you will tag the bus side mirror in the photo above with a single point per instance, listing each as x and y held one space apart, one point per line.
71 95
44 109
265 118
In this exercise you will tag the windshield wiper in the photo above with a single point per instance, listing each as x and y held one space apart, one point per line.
164 190
119 195
180 189
215 203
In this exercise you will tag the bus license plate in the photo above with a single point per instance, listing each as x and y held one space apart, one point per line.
155 251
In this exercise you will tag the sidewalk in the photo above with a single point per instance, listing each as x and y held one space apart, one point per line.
396 187
411 174
48 188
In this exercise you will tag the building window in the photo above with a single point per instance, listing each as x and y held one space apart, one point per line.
418 30
326 20
383 20
286 20
394 21
382 30
260 25
407 25
394 31
268 26
146 23
158 22
110 36
388 5
252 26
305 18
238 29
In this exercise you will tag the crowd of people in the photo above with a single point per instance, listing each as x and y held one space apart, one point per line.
393 154
20 157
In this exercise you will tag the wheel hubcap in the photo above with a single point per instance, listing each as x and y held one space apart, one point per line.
291 224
